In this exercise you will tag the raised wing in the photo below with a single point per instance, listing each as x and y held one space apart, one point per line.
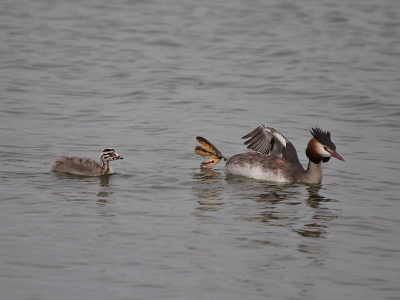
266 140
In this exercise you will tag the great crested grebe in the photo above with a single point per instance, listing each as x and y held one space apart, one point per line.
86 166
275 158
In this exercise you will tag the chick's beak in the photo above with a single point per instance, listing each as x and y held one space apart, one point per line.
116 156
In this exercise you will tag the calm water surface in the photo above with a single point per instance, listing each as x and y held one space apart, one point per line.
146 77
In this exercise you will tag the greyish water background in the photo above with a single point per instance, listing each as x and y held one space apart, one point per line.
146 77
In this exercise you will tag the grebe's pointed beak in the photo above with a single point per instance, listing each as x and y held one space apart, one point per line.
336 155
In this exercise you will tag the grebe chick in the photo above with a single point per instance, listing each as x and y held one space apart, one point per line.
86 166
275 158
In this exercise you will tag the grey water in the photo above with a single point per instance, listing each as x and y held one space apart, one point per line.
146 78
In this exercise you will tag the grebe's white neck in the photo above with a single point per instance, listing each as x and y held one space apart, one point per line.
313 174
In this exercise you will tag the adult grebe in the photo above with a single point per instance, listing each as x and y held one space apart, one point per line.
275 158
86 166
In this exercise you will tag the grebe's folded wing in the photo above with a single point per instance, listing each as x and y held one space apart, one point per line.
266 140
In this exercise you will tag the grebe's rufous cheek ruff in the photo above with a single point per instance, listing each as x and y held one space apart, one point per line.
86 166
275 158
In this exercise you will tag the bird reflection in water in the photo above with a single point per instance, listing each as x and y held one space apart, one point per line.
292 218
209 190
105 181
322 214
281 208
104 196
281 204
78 188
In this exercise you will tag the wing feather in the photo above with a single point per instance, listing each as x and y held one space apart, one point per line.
266 140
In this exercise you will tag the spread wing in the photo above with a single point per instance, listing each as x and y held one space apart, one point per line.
266 140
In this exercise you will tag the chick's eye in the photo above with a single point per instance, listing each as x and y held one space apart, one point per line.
326 148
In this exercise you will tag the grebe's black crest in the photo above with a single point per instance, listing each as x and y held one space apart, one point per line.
323 137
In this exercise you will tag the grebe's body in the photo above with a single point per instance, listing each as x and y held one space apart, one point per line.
86 166
275 158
